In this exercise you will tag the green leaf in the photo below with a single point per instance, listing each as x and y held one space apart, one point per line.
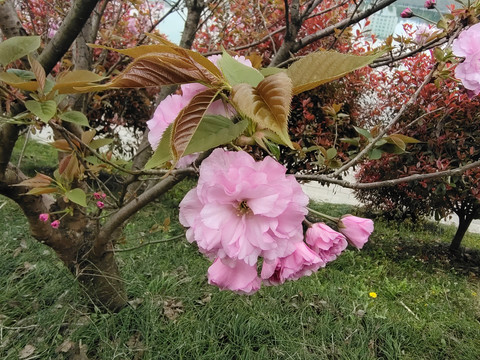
17 47
375 154
75 117
321 67
331 153
43 110
213 131
22 74
363 132
98 143
12 79
77 196
271 71
354 141
237 73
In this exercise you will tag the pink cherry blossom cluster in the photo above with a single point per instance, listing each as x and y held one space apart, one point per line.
407 13
242 211
467 45
44 217
170 107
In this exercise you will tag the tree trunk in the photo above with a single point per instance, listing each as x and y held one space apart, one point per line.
464 222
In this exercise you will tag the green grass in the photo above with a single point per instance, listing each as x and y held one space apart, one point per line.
428 305
37 156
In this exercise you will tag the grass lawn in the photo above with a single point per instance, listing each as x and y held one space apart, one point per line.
427 306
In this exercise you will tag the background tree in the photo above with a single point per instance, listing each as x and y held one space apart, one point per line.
445 122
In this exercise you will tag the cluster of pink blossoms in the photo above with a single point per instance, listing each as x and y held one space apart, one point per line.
44 217
467 45
170 107
242 211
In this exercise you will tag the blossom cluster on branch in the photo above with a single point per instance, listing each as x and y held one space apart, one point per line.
245 214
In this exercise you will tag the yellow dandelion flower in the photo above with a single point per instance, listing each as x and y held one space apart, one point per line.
372 294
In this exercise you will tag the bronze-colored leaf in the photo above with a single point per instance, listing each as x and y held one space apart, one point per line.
188 120
68 81
61 144
40 191
159 69
268 104
39 72
38 181
18 82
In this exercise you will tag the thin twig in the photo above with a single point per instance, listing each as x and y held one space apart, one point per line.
22 153
147 243
408 309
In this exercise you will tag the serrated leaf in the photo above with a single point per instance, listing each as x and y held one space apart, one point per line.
38 181
363 132
44 110
77 196
213 131
41 191
237 73
267 104
39 72
168 48
271 71
159 69
321 67
75 117
67 82
17 82
98 143
17 47
188 120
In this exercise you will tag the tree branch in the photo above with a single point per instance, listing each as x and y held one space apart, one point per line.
386 183
67 33
10 24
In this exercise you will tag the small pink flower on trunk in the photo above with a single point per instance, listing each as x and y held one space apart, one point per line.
467 45
325 241
242 209
302 262
235 275
100 204
55 224
43 217
430 4
356 229
407 13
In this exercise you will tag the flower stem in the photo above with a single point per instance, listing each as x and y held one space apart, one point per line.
324 216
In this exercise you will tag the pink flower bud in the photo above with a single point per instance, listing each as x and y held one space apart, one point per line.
100 204
97 195
430 4
356 229
43 217
104 195
55 224
407 13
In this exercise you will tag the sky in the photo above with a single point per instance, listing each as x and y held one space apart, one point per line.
172 26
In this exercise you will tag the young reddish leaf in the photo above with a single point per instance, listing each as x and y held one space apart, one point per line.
406 139
69 167
169 48
267 104
38 181
159 69
39 72
187 122
61 145
40 191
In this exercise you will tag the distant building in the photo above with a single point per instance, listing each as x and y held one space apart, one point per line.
384 22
